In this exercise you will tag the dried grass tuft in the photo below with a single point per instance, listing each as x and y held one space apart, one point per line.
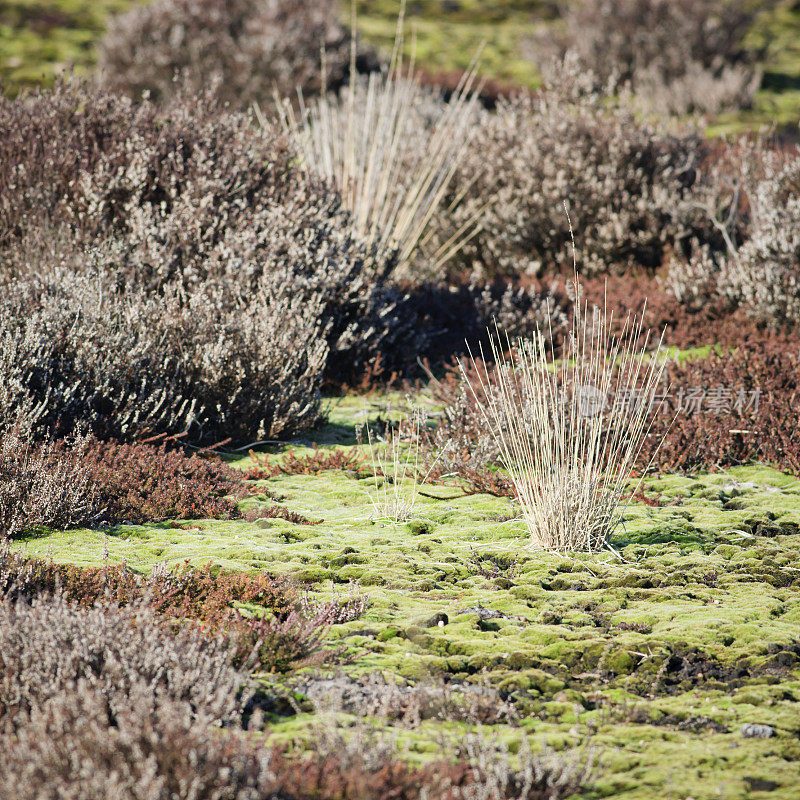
569 431
359 140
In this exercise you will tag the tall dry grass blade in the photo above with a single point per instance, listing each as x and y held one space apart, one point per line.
395 463
569 431
359 141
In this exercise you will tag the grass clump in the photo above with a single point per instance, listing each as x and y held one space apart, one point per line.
395 466
391 149
569 432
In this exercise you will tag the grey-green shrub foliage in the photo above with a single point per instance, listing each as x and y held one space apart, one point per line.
244 49
679 56
624 182
172 269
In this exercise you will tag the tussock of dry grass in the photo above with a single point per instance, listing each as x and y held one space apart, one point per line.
569 431
360 141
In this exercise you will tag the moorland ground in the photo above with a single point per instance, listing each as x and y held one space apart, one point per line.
256 498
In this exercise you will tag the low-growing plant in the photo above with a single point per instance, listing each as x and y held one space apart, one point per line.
133 752
246 236
245 49
313 463
141 754
729 408
374 696
140 483
278 511
85 482
50 645
287 630
569 432
193 593
77 353
42 486
679 56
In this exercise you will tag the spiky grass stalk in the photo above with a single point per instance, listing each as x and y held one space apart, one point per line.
395 470
570 431
391 192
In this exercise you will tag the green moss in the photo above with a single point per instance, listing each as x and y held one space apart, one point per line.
697 617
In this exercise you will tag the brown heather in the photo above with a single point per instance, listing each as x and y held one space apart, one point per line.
679 56
197 593
729 436
155 711
310 464
290 631
244 49
625 184
86 482
140 483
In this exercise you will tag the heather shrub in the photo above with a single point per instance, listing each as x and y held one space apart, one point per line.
139 751
85 482
49 139
186 592
193 192
144 754
245 49
624 184
50 646
764 274
41 486
734 407
197 197
757 265
288 631
310 464
365 766
79 353
372 695
685 325
139 483
679 56
148 710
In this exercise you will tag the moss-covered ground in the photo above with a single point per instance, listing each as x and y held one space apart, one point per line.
40 38
658 652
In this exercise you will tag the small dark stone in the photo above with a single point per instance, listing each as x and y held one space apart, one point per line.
437 620
761 785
